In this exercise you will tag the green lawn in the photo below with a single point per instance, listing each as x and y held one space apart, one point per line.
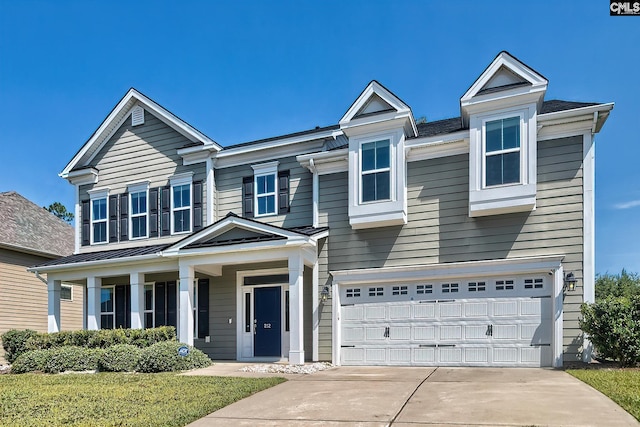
109 399
621 385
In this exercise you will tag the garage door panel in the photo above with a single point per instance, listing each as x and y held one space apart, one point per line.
486 327
424 311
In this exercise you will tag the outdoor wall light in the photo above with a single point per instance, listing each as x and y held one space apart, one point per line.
324 294
570 282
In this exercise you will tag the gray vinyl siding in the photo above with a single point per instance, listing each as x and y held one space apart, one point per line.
439 229
229 193
141 153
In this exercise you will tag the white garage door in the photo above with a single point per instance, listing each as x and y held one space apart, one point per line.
481 322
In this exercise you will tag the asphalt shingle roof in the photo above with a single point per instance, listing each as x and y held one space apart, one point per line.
28 226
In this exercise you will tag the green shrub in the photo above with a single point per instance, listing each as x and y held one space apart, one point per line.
163 357
14 343
613 326
31 361
120 358
71 358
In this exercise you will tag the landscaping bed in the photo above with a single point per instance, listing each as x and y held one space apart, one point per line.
122 399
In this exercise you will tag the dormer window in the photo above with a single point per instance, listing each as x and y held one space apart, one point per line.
502 151
266 194
376 171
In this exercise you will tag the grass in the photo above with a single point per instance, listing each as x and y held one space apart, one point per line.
620 385
115 399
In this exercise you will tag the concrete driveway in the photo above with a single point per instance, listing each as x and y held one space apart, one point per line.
382 396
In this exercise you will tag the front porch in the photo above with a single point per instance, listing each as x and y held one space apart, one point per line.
238 290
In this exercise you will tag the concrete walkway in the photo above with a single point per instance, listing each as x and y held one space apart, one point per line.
410 397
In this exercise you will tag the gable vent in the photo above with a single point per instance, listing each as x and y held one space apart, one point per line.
137 116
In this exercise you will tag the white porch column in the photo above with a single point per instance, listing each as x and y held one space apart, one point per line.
316 312
296 294
185 324
94 284
53 318
136 281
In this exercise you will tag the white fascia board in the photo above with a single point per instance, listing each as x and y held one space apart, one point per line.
503 99
457 269
437 146
380 122
161 265
97 263
512 64
374 88
82 176
195 157
577 121
228 152
239 248
226 160
119 114
326 162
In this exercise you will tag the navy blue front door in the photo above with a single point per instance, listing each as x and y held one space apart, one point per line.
266 315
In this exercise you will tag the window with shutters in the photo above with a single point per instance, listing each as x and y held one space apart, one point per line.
99 216
138 210
266 192
181 203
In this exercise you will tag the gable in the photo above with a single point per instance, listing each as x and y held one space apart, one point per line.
504 78
237 235
133 101
373 105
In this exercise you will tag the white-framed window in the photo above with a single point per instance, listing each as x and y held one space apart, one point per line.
181 203
99 215
502 157
139 214
265 188
149 299
375 171
107 307
181 208
66 292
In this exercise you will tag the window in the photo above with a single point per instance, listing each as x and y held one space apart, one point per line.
504 285
449 288
99 220
266 194
399 290
376 292
477 286
502 151
107 306
424 289
181 208
376 171
66 293
139 215
533 283
353 292
148 306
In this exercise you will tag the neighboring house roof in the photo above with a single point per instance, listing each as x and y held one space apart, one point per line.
31 228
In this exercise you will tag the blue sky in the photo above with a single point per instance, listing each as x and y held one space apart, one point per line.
246 70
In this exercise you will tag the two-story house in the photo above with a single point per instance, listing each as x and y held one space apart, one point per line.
375 241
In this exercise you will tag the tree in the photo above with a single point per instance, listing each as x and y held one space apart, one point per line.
617 285
59 210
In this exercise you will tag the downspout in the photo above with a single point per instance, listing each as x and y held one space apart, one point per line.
315 192
43 280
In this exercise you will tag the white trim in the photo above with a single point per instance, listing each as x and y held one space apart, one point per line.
181 178
117 116
315 192
78 220
546 264
315 307
138 189
588 263
240 275
83 176
180 183
519 149
211 191
265 170
95 196
326 162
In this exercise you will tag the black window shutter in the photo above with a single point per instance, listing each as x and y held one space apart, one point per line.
113 218
203 308
197 205
153 212
172 304
247 197
160 304
124 217
165 214
283 192
86 223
